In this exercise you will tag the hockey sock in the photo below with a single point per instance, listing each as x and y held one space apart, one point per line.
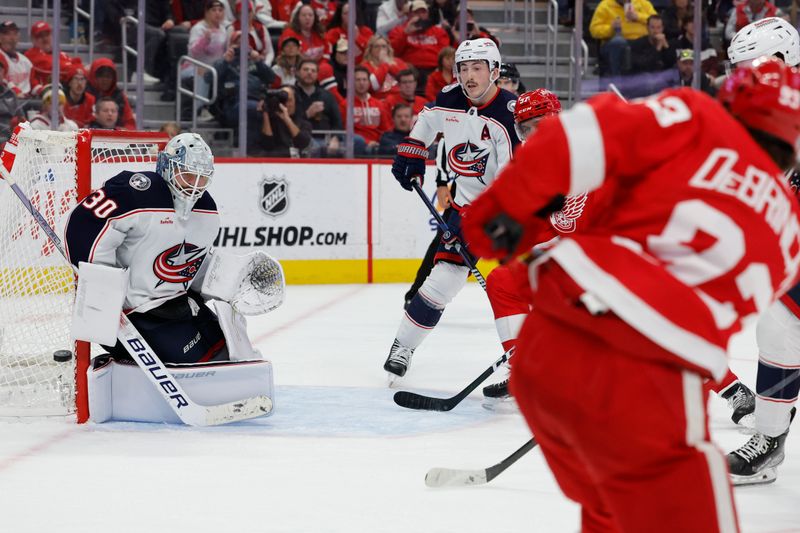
777 387
420 318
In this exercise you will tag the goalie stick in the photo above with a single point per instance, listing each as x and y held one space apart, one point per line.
412 400
189 412
447 234
451 477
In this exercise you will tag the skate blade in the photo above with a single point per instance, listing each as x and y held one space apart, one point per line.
391 379
500 405
768 475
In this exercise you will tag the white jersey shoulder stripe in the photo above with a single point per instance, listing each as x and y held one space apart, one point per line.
587 161
120 217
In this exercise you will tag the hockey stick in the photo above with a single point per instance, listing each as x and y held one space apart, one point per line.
412 400
451 477
447 234
189 412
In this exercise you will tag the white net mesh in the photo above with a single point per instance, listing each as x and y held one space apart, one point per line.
36 283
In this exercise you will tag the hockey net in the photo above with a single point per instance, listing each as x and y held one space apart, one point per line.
37 285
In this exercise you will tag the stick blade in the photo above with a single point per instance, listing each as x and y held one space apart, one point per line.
236 411
449 477
412 400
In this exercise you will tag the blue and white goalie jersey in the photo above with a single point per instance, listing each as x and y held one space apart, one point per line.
130 222
479 140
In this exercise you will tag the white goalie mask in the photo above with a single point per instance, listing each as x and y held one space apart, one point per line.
765 37
187 165
482 49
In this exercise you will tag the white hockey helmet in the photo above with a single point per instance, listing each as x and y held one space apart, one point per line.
187 158
482 49
766 37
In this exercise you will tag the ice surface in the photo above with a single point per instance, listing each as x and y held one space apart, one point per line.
338 455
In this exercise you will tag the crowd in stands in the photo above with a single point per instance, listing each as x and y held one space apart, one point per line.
647 45
296 78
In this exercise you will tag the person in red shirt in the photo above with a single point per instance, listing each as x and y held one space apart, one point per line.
370 117
79 105
408 92
383 66
418 41
259 41
443 75
41 56
338 29
103 82
636 307
306 28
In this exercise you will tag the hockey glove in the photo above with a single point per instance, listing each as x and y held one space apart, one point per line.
409 163
491 233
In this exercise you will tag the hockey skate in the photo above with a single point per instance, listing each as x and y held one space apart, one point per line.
757 461
397 362
496 397
743 403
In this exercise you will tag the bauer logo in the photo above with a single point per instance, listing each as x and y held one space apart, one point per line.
274 196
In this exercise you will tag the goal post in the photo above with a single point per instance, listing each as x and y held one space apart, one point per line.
37 287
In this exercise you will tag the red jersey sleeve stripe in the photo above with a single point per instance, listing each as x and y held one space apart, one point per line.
587 161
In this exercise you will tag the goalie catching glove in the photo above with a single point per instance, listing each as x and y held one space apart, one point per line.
253 284
409 163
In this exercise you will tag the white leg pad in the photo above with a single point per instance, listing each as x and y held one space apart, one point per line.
443 284
234 327
120 391
778 335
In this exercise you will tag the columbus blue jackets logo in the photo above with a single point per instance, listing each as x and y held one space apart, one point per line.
468 160
139 181
178 264
274 199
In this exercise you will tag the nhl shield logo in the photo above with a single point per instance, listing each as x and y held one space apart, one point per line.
274 200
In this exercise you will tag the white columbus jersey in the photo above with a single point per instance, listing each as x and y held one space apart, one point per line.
130 222
479 140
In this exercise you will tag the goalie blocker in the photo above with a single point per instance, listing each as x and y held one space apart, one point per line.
118 390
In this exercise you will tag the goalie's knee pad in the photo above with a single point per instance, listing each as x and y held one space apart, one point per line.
443 283
119 390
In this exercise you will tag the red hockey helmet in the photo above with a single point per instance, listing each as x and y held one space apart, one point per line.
534 104
765 96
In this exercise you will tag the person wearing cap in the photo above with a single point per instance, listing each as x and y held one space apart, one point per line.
103 82
79 105
685 66
418 41
19 67
383 66
287 62
41 56
307 29
338 29
41 121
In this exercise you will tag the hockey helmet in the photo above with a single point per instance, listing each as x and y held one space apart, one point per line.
482 49
509 70
187 165
766 97
766 37
534 104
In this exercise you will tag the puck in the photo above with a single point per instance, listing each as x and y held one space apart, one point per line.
62 356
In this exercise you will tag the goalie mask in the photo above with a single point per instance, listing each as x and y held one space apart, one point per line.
187 165
478 50
766 37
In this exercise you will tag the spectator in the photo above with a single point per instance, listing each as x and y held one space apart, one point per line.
333 73
747 12
370 118
383 66
171 129
287 62
284 130
19 69
652 53
307 29
41 121
444 13
418 41
338 29
79 105
686 73
407 81
264 14
391 13
708 55
317 105
106 112
260 44
673 17
172 32
103 82
41 56
402 118
324 10
159 26
443 75
8 103
615 25
259 79
208 41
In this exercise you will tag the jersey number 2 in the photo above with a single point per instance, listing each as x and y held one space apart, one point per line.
99 204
